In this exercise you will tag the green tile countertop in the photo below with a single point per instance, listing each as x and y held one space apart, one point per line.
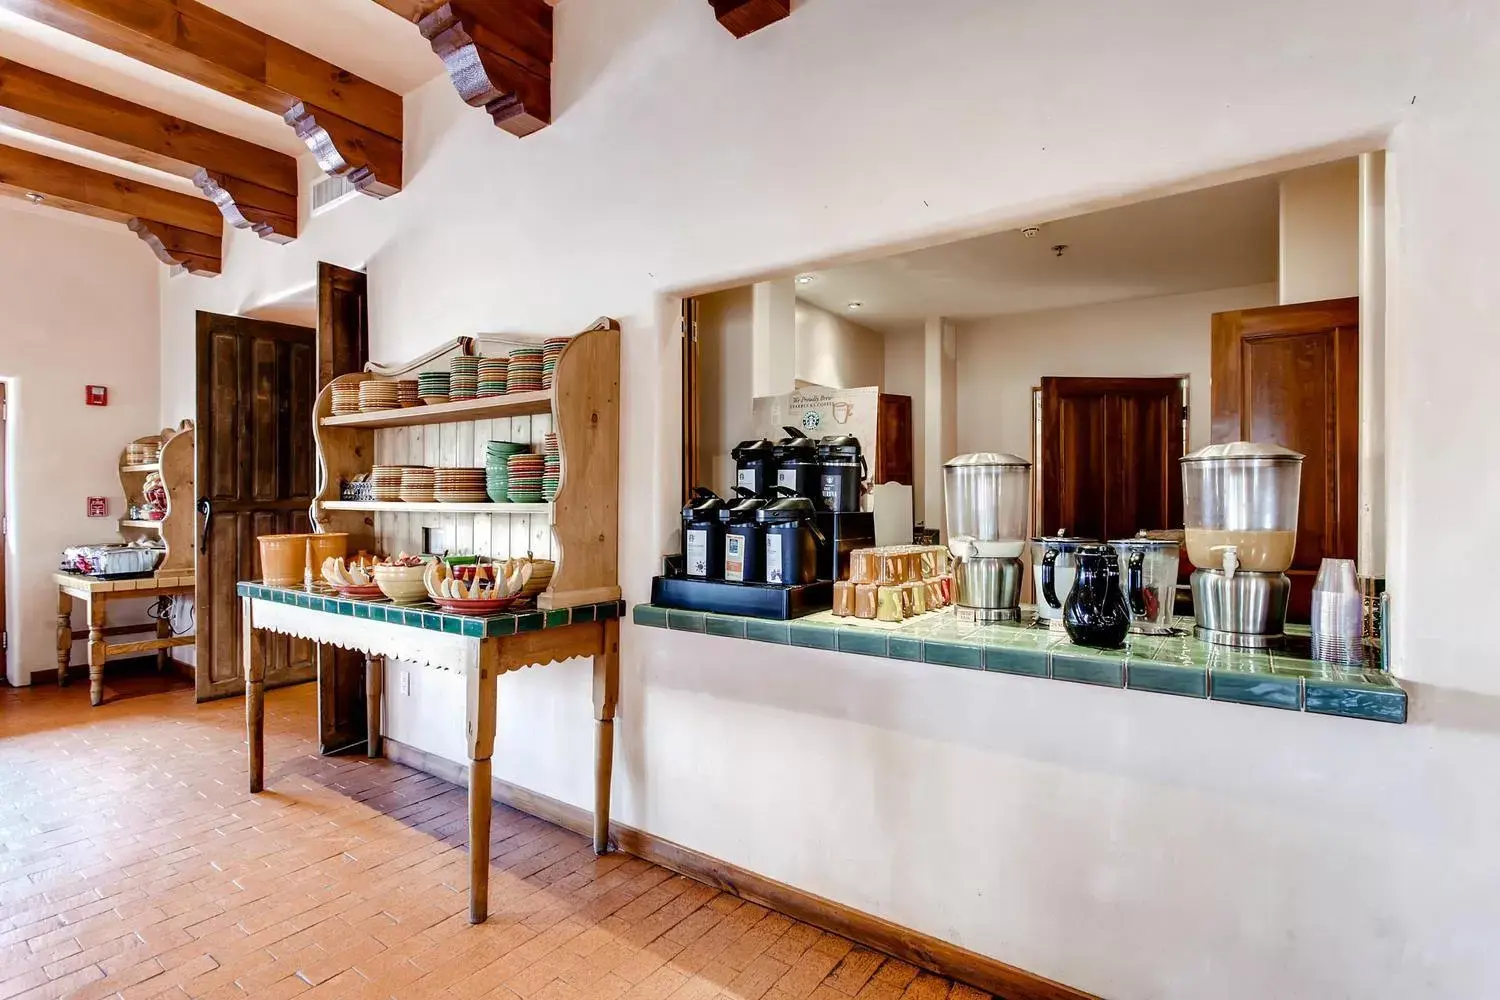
427 615
1178 664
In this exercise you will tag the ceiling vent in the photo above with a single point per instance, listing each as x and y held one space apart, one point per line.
329 193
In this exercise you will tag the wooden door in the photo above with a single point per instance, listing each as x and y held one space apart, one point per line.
255 472
1109 455
692 422
343 348
1289 375
893 448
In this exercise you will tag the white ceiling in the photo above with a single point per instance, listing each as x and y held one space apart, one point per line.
1219 237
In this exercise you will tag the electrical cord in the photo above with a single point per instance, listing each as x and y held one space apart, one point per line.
165 609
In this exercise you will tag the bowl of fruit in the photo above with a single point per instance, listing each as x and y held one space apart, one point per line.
353 577
400 578
482 589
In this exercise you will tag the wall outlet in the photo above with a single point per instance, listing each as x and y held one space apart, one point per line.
405 682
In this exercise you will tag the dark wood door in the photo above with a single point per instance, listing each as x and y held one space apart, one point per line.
343 347
1109 453
255 471
894 448
1289 375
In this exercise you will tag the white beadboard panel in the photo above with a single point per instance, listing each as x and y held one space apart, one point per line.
483 537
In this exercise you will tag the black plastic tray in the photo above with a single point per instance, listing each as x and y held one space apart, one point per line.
755 600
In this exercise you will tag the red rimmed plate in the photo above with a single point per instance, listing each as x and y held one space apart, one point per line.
459 607
368 592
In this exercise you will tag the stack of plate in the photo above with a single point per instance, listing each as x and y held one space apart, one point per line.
525 478
552 349
549 444
378 394
417 483
551 476
433 387
463 374
525 373
345 399
492 376
385 483
460 486
408 393
497 468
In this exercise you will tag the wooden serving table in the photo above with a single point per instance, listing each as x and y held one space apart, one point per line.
95 594
480 648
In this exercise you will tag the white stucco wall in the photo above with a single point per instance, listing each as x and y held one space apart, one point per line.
78 306
1133 845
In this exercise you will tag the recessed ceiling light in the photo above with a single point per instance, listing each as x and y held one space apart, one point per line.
856 305
806 279
34 198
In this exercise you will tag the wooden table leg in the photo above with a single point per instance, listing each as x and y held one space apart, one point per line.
96 650
606 693
64 635
164 632
482 673
254 658
374 687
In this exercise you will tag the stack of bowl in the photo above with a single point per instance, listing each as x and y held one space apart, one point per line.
433 387
460 486
463 380
492 373
378 394
524 474
417 483
345 399
385 483
525 372
497 468
551 468
408 393
552 349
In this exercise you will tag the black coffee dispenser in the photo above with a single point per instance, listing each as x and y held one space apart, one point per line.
744 539
703 535
843 473
792 539
797 466
755 465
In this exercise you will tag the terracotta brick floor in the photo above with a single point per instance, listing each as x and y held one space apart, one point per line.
133 863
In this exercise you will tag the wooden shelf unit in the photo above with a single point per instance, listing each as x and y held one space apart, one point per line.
583 405
175 465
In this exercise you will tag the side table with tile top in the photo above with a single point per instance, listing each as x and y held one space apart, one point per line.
95 595
481 648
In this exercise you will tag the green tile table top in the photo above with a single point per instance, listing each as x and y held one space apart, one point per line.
1177 664
426 615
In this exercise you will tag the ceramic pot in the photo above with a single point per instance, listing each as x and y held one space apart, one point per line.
283 559
1095 613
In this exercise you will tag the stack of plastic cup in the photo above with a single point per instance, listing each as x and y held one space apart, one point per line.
1338 627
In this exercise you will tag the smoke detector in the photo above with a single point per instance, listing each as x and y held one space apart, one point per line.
1031 232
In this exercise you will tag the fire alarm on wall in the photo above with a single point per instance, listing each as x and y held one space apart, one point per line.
97 395
98 506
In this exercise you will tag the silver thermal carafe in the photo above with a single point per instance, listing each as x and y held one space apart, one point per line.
1239 504
986 497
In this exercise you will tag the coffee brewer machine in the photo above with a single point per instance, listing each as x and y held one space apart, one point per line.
1239 505
986 496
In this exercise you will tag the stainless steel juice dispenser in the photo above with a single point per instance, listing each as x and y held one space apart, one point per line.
987 497
1239 505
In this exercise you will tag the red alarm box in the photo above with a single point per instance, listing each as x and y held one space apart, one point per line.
96 395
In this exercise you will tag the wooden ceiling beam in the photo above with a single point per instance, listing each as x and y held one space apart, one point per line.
353 126
179 228
498 54
744 17
254 187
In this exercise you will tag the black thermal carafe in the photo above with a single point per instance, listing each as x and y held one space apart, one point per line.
792 540
755 465
797 467
843 473
703 535
744 540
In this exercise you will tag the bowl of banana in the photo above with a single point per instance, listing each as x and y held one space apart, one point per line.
353 577
484 589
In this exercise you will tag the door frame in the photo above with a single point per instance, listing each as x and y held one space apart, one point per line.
4 530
